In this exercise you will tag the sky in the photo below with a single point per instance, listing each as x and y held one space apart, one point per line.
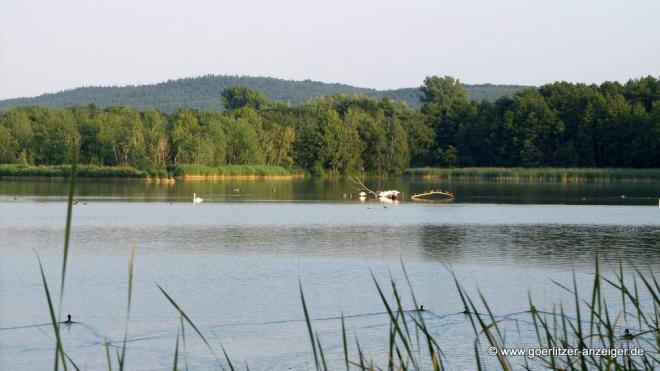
48 46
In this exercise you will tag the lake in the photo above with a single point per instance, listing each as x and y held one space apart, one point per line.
234 264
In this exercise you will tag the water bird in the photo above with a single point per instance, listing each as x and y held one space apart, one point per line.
14 198
197 200
76 202
627 335
68 319
421 308
237 189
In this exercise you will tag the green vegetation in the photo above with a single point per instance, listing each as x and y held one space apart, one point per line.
537 174
559 125
83 171
235 170
202 93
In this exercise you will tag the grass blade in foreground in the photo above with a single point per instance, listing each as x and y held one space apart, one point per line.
128 309
56 326
190 322
309 325
67 231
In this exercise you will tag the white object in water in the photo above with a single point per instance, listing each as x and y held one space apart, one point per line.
389 194
197 200
362 194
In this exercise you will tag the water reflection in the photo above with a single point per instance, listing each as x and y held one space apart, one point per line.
542 245
607 193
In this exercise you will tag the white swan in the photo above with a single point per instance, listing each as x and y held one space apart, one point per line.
197 200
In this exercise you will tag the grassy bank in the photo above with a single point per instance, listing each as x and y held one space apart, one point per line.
235 171
537 174
84 171
181 171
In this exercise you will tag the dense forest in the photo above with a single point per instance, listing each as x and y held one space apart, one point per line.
202 93
559 124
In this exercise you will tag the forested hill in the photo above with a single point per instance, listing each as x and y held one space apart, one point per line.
204 92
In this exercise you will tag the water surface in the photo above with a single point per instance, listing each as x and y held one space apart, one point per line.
235 261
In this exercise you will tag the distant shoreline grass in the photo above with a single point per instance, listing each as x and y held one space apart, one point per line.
573 175
201 172
64 171
183 172
194 172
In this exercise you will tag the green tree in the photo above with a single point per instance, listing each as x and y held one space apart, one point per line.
235 97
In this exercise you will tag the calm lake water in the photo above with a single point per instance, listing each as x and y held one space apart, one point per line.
235 261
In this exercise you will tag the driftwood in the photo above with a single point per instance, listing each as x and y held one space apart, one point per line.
423 196
361 186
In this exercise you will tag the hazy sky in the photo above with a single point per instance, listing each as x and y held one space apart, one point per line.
47 45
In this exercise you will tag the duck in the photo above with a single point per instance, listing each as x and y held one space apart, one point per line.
68 319
627 335
197 200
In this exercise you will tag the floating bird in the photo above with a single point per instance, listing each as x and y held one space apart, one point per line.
68 320
197 200
421 308
627 335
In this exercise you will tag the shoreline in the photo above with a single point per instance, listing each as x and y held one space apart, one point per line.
537 175
255 173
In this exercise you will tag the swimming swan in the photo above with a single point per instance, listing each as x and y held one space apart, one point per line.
197 200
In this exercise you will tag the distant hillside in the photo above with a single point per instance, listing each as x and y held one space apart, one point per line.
204 93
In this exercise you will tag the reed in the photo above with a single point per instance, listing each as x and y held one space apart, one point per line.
83 171
191 170
538 174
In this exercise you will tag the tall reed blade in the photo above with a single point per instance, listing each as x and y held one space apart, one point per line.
67 231
190 322
128 308
309 326
344 341
176 354
56 326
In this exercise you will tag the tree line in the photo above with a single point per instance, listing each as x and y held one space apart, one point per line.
559 125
